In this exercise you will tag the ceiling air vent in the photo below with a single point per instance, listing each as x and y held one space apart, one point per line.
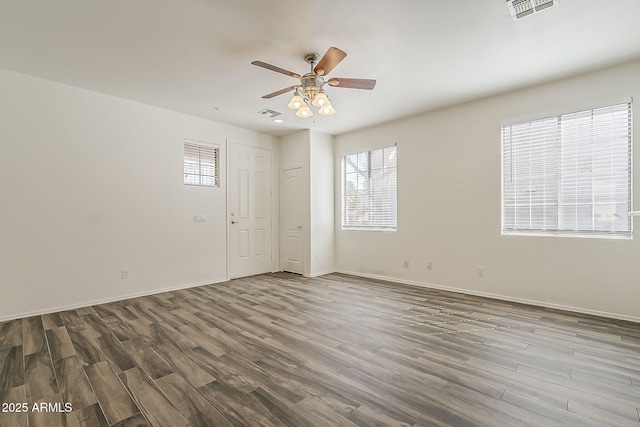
269 112
521 8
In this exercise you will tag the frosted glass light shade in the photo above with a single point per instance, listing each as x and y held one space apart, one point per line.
326 110
320 100
304 112
296 102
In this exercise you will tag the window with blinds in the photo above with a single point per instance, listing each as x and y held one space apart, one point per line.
569 174
369 190
201 164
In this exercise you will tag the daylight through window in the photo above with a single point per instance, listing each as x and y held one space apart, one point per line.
369 189
569 174
201 164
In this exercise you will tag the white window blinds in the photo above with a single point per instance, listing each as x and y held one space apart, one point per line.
569 173
369 189
201 164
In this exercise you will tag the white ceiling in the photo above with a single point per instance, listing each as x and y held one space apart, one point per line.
194 56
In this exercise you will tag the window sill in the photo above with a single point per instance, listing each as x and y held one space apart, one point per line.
368 229
575 235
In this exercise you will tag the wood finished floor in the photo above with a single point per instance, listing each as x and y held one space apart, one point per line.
280 349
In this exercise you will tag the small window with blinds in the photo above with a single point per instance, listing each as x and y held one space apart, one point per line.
201 164
568 174
369 190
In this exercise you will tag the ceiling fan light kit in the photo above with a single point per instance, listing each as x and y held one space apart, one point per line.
310 91
296 102
304 111
326 110
320 99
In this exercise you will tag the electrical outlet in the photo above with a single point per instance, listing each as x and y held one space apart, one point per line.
480 271
124 274
429 265
406 264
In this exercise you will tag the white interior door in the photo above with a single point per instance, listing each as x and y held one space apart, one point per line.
292 221
249 210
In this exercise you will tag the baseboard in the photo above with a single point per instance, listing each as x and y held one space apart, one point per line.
324 273
497 296
351 273
107 300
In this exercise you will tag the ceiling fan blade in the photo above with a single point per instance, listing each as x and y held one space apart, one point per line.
366 84
329 61
280 92
276 69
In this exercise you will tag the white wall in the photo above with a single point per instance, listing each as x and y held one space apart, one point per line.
90 185
294 153
322 248
449 207
313 151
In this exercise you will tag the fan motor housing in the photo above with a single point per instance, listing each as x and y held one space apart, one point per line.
311 84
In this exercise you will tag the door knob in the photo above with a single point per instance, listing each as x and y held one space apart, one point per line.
234 222
299 227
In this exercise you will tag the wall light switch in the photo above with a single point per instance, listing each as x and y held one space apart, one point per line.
124 274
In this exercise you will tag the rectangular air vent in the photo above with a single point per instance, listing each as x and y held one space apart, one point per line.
521 8
269 112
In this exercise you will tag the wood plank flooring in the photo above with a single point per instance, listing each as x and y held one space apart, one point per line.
284 350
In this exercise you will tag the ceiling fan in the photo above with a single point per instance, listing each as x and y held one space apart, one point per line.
310 91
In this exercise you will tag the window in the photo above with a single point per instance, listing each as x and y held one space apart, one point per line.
369 188
568 174
201 164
